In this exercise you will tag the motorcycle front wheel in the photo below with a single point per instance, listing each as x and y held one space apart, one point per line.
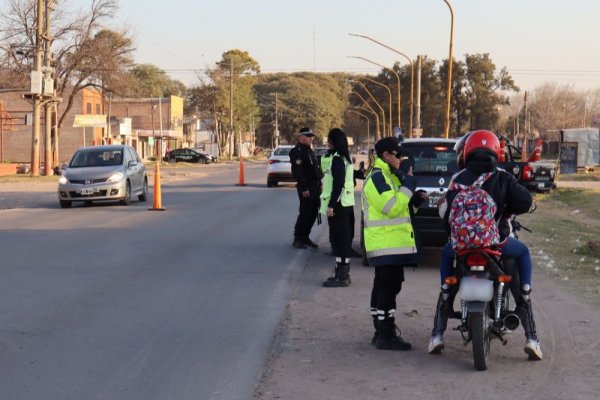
480 337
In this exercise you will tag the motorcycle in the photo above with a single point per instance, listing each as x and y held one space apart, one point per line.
487 284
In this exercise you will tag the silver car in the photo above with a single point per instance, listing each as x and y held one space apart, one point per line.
103 173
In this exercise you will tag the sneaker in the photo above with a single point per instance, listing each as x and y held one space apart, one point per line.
336 282
533 349
436 344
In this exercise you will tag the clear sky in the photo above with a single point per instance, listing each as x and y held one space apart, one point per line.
537 40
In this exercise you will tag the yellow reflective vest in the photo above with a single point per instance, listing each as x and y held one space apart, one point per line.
347 196
388 233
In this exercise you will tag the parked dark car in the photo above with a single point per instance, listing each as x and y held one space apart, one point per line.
434 165
187 155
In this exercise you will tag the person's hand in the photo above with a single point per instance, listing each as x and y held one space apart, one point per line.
306 194
440 201
410 172
330 212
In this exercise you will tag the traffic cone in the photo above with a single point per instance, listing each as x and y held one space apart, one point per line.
241 181
502 157
537 153
157 201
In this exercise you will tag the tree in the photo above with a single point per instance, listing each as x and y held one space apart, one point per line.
147 80
81 46
305 99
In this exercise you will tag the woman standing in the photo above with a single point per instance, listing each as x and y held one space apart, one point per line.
337 202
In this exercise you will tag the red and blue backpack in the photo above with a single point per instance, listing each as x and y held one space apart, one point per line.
471 219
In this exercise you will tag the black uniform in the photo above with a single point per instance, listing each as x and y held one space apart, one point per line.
307 173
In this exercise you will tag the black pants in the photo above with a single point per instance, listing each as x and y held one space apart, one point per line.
341 230
386 286
307 212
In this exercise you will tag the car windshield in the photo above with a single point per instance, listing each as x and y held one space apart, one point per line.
437 158
282 151
96 158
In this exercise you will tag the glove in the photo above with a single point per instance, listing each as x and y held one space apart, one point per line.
418 198
406 164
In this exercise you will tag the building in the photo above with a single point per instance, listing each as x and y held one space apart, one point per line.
137 122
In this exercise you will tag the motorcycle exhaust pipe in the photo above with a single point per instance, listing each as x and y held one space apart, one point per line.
511 322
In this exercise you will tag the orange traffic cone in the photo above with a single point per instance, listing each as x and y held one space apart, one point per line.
157 201
241 181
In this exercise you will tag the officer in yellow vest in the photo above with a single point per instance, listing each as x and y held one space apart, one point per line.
337 202
388 194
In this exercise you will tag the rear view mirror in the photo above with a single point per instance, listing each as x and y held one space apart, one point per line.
132 163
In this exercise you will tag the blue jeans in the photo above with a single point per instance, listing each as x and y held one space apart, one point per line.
513 248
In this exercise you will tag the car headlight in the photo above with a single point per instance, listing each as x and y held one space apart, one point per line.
63 180
116 177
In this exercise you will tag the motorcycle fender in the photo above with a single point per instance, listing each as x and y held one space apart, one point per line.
473 289
475 306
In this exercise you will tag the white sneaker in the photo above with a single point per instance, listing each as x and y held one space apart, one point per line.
533 349
436 344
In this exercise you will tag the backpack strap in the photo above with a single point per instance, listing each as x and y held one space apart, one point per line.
477 184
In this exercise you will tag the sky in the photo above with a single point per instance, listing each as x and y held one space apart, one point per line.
537 40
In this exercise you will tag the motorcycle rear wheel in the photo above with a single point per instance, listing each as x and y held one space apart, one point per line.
480 338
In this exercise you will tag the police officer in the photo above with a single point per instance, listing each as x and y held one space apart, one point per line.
306 171
388 194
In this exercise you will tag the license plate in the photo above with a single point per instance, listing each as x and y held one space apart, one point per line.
87 191
543 178
433 199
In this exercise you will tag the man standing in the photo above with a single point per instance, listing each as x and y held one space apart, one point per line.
389 236
308 178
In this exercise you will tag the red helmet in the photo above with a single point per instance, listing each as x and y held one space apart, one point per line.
481 139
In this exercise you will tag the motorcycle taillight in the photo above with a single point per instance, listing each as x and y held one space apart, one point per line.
476 262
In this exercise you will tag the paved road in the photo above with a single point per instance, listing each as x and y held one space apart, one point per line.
113 302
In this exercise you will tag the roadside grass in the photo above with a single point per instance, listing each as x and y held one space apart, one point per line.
582 176
27 178
563 226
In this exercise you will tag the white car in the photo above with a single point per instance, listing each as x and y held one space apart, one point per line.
279 168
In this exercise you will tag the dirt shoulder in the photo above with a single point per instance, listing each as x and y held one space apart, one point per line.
323 349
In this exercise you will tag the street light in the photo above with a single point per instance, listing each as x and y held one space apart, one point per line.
447 122
412 74
390 94
397 78
371 110
375 100
368 126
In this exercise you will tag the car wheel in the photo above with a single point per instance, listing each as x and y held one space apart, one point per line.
127 199
88 203
65 203
144 195
172 160
271 183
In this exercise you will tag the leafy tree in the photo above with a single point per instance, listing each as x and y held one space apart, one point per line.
147 80
305 99
81 46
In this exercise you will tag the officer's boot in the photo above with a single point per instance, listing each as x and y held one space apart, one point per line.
440 322
299 242
525 313
310 243
387 339
341 276
375 325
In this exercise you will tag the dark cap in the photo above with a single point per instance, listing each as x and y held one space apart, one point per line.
305 132
388 144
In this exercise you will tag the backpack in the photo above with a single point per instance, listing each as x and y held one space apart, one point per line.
471 219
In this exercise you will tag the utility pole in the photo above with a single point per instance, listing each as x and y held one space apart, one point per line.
49 105
524 145
276 122
418 111
36 74
230 141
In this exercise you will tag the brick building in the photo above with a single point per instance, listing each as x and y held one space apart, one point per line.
136 122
